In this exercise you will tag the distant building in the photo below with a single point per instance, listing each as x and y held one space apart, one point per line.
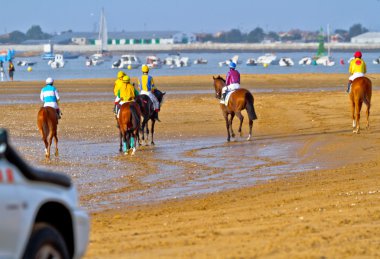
368 37
125 38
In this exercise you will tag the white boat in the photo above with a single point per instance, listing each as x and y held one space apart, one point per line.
376 61
175 60
25 63
127 61
251 62
153 61
58 61
285 62
95 60
268 58
305 61
103 54
234 59
325 61
200 61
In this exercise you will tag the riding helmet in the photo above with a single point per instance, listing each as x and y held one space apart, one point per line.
145 69
49 81
358 54
120 74
126 79
232 65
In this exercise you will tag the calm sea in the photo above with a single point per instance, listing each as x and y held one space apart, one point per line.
76 68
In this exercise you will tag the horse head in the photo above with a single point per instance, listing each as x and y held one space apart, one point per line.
159 95
219 83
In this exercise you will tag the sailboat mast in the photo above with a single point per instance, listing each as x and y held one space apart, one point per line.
328 40
103 37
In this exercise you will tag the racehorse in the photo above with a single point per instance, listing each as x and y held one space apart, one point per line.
361 91
129 126
47 122
148 113
239 100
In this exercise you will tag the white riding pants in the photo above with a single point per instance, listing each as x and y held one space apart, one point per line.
355 75
156 104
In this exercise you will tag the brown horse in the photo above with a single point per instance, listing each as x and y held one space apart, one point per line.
129 126
47 122
239 100
361 91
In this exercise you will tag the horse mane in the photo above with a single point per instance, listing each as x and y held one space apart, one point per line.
221 78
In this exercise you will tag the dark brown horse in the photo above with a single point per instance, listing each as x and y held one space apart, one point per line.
148 113
361 91
129 126
47 122
239 100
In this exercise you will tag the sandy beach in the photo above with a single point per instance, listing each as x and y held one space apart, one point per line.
316 192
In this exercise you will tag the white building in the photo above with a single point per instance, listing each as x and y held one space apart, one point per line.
368 37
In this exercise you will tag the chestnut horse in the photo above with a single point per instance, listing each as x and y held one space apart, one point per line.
361 91
129 126
47 122
148 113
239 100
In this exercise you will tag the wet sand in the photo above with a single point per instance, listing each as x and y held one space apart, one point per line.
304 187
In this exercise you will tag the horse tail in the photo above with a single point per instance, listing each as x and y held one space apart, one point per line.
250 107
135 117
368 95
42 122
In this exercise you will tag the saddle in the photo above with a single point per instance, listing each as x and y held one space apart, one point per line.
228 94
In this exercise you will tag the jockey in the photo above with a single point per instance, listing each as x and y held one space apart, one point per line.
118 84
357 69
49 95
232 80
146 86
126 93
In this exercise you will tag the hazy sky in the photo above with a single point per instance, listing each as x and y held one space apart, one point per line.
190 15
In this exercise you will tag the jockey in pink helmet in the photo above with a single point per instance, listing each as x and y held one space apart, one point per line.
232 80
357 68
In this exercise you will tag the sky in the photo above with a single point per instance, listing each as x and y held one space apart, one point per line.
195 16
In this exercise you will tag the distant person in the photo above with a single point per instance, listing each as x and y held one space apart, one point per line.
11 70
357 69
232 80
2 74
342 61
117 85
49 95
147 87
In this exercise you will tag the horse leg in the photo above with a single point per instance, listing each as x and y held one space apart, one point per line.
250 129
143 125
43 137
121 141
152 132
56 144
368 103
230 121
367 113
50 140
358 108
241 118
125 143
353 114
225 115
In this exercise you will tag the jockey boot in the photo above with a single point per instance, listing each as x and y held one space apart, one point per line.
349 86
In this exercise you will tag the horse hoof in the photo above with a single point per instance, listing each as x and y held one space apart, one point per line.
152 143
233 135
249 138
133 151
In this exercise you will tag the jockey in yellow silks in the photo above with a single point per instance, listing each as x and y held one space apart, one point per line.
146 86
118 84
126 93
357 68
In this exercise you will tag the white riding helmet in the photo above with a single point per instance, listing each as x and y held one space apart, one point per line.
49 81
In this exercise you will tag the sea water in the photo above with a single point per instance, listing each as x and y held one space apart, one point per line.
76 68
